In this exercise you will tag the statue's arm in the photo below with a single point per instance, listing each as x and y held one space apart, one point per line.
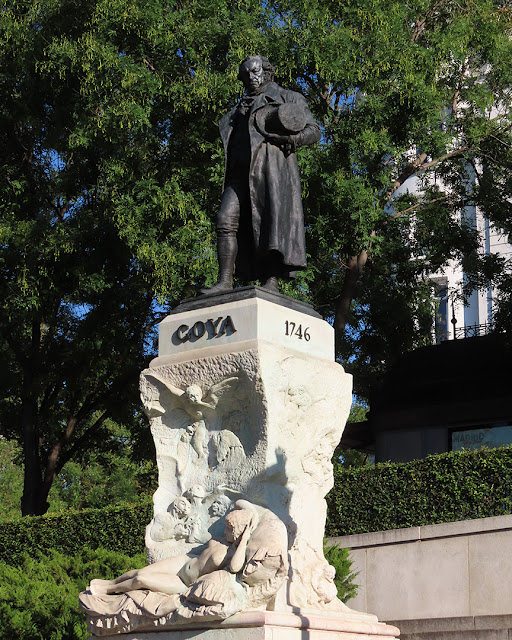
311 132
309 135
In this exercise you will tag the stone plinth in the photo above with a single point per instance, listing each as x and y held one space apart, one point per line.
274 405
232 322
270 625
246 406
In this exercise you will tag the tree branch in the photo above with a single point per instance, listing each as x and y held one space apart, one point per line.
419 165
419 27
77 445
397 214
354 270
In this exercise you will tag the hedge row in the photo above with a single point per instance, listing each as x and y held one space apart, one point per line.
120 529
441 488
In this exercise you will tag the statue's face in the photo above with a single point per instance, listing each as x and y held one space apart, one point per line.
219 507
196 491
180 508
194 393
252 75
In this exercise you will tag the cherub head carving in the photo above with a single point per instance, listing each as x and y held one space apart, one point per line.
180 507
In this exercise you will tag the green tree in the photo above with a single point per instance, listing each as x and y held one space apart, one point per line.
38 599
104 216
338 557
407 92
111 170
11 479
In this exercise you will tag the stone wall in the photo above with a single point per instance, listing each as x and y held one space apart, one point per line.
446 580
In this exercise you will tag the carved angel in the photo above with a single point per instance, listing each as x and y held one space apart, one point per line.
191 400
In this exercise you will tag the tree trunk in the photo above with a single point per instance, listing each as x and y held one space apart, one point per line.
355 267
30 502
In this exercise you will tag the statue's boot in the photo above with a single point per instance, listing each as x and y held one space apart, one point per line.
227 248
272 284
273 267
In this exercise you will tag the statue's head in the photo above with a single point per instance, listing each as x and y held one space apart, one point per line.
180 507
255 72
236 523
196 491
220 506
194 393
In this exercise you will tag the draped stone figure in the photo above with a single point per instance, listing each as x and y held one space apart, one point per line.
241 570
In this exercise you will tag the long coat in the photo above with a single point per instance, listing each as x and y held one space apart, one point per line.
275 222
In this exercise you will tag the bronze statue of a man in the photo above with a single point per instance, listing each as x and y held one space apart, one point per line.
260 221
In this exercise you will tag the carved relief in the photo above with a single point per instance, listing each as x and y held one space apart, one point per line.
311 584
193 422
243 569
268 423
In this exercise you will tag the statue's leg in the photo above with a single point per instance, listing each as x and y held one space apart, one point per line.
227 244
199 438
99 586
160 576
272 270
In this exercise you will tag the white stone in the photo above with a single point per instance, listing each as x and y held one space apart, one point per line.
245 414
227 327
270 625
278 413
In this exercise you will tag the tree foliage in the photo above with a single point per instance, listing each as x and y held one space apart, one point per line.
338 557
111 171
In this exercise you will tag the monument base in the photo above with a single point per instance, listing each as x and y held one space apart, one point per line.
272 625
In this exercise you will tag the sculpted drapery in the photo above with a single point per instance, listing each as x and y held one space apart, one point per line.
274 221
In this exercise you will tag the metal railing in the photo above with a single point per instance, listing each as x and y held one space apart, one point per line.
474 330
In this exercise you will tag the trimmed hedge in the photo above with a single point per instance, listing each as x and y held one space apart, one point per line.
441 488
120 529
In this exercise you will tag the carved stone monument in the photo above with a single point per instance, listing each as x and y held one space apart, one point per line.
246 406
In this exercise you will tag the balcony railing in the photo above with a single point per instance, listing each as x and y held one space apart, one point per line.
474 330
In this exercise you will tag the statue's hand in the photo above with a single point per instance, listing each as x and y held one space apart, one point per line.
285 143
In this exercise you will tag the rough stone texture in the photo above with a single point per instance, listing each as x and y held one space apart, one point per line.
270 437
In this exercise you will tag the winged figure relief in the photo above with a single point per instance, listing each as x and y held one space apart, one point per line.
195 403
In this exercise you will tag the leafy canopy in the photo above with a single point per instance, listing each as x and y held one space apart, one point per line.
112 169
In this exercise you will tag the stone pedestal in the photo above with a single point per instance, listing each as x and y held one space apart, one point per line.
270 625
246 406
265 364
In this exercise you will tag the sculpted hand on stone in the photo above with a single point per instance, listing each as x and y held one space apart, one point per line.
260 222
